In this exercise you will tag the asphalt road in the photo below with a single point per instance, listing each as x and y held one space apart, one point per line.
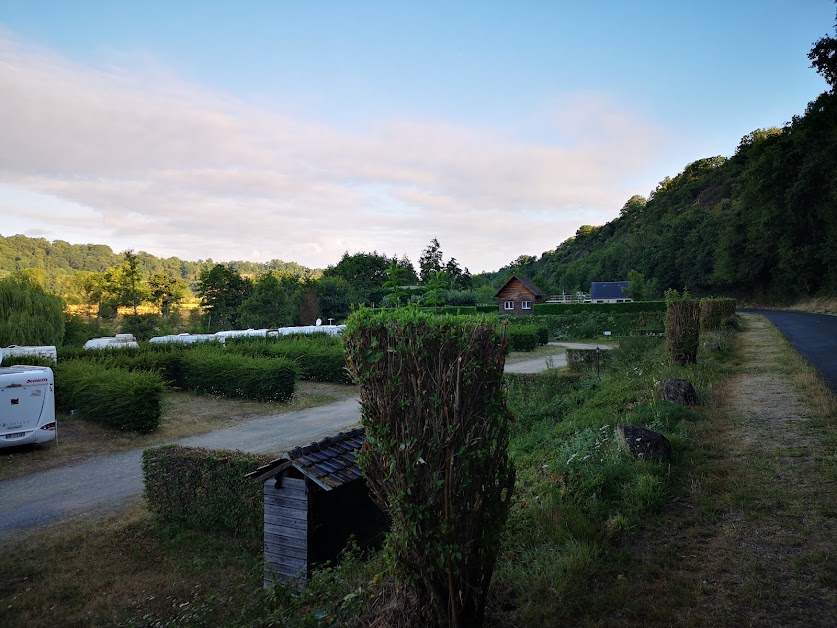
813 335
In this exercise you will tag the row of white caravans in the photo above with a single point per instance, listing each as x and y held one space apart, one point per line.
221 336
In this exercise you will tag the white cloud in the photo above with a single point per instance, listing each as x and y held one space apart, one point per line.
174 169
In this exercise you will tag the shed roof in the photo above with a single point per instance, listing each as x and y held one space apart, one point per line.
329 463
526 282
609 289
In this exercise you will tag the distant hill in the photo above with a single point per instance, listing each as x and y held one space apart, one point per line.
761 224
59 260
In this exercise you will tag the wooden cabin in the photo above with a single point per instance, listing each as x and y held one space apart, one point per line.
519 296
315 500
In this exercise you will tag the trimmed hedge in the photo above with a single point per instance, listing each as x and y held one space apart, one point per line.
488 309
239 376
632 307
590 325
714 312
112 396
319 360
206 490
522 338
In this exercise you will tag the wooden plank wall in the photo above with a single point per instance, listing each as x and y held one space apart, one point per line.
285 530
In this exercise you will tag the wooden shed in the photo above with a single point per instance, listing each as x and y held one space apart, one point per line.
518 296
315 499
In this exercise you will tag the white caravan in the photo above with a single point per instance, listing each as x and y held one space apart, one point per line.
45 352
120 341
27 405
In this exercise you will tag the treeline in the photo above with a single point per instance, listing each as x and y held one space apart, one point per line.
761 224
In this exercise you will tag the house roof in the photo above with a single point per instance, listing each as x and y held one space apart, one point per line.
608 289
526 282
329 463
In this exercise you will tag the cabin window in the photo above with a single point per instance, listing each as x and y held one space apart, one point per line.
508 305
526 305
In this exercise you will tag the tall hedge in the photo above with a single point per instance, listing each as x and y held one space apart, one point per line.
437 430
112 396
714 312
632 307
683 330
239 376
205 490
316 359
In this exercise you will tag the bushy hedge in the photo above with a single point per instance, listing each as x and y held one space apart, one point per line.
317 359
522 337
239 376
206 490
584 360
487 309
714 312
113 396
590 325
633 307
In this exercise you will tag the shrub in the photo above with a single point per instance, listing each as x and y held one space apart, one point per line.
320 359
112 396
239 376
522 338
683 329
579 360
564 309
437 432
205 490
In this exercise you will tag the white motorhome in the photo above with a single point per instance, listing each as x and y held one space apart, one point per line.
45 352
27 405
185 339
120 341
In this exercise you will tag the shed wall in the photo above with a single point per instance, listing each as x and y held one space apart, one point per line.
285 529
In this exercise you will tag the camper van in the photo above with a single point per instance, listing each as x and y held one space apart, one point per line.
45 352
27 405
120 341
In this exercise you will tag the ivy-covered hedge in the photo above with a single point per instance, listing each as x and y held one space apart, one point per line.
205 490
115 397
632 307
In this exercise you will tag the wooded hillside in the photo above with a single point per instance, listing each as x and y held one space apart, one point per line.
761 224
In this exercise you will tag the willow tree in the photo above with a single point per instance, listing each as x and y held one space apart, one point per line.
29 315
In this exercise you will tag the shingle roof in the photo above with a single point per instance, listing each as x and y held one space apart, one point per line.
526 282
329 463
608 290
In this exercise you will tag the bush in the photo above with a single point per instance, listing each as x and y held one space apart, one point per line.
436 455
683 330
522 338
238 376
319 359
205 490
581 360
112 396
569 309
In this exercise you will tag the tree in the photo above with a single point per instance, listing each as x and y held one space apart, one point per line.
365 273
166 291
394 285
86 288
222 292
334 298
823 58
430 261
29 315
132 278
267 305
434 296
640 289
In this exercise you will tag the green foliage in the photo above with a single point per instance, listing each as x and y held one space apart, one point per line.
222 291
268 303
205 490
394 285
317 357
334 298
587 360
434 293
78 330
682 327
563 309
111 396
142 326
587 325
212 372
29 315
715 312
366 273
437 431
165 291
522 338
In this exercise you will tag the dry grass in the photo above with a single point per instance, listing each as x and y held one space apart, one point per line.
122 571
185 414
822 305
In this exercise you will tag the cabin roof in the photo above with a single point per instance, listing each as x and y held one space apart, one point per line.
329 463
526 282
609 289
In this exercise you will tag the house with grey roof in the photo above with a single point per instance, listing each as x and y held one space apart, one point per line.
609 292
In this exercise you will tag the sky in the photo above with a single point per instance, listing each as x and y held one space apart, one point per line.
258 130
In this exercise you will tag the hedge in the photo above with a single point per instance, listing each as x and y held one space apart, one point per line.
112 396
714 312
206 490
239 376
591 325
631 307
522 338
318 360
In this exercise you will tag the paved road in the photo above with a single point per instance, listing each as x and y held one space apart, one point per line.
536 365
108 483
813 335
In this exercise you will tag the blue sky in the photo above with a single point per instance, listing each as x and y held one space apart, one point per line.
260 130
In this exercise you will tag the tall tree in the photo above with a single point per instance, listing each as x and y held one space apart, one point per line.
268 304
430 261
166 291
29 315
222 291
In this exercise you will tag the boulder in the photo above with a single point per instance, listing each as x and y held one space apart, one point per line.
680 391
643 443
